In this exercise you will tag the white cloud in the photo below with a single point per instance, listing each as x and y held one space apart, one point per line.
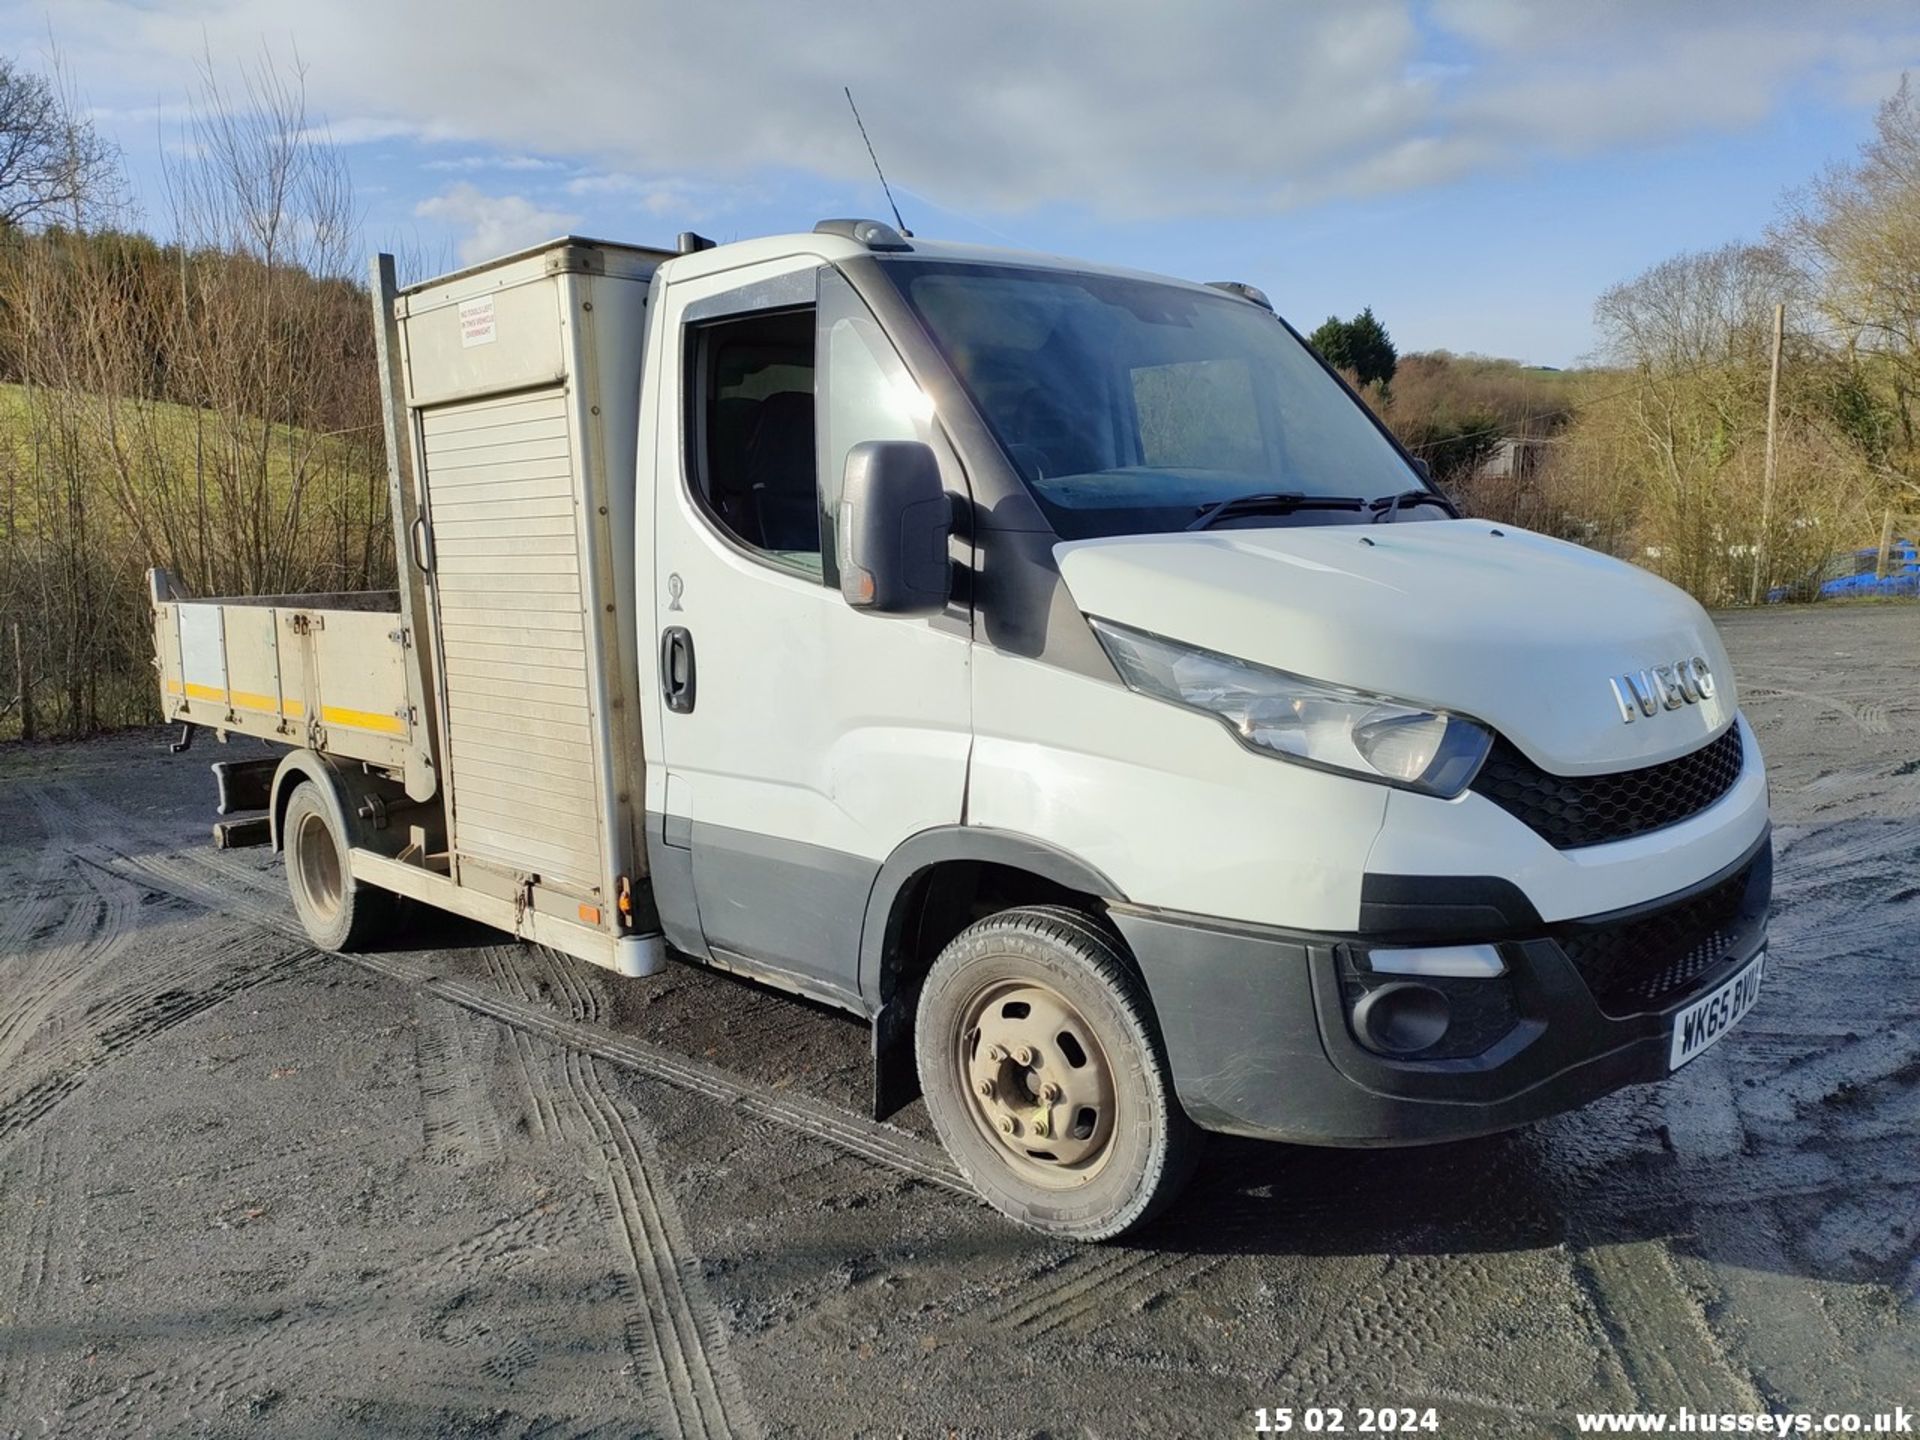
1126 108
492 162
663 197
493 224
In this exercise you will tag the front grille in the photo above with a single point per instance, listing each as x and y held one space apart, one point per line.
1646 961
1570 811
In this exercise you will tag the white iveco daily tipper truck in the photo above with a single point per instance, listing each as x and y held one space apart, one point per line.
1054 666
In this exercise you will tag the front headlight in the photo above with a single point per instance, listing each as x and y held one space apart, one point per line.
1306 721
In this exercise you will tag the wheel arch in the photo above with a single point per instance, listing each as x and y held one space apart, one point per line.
343 792
297 767
928 891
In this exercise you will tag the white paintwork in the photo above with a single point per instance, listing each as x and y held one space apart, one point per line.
1518 630
813 723
1163 801
1181 816
778 249
1514 629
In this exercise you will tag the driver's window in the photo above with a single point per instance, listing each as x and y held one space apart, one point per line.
752 450
864 393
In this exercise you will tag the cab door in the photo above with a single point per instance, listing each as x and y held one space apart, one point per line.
802 740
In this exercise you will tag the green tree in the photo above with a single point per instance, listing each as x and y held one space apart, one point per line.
1360 345
1371 348
1333 342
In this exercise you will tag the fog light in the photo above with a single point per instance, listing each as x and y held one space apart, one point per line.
1402 1018
1460 962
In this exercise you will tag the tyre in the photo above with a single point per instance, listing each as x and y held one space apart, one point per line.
1044 1073
337 911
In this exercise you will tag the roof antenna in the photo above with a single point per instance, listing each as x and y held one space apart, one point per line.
876 163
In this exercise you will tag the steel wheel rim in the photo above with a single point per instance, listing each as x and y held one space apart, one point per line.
317 864
1038 1083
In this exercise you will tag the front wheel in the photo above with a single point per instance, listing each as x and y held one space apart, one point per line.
1045 1077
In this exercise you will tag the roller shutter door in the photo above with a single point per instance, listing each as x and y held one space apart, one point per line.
500 497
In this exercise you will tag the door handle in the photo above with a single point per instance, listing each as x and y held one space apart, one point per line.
676 668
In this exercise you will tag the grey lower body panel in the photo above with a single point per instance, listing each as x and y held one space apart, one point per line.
792 911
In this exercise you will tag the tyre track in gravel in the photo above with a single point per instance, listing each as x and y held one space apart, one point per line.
199 880
88 935
1869 840
1871 717
673 1332
26 1256
135 1007
541 1122
137 1020
870 1140
458 1122
32 979
1093 1283
280 1341
37 996
1659 1336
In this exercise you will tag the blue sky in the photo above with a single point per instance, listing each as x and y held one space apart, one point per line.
1476 170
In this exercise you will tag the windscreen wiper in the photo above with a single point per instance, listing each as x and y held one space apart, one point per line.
1280 502
1388 506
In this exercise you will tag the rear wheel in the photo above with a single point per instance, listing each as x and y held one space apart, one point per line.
1045 1077
337 911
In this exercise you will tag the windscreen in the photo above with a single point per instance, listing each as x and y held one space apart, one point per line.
1132 406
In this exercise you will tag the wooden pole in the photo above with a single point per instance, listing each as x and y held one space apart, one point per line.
1766 485
23 691
1885 557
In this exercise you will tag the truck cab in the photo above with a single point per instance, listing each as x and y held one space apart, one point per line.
1059 668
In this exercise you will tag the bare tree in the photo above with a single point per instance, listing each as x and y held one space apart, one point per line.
1707 307
1668 454
54 165
209 404
270 336
1856 231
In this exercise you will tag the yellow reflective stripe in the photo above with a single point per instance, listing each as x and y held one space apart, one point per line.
294 709
363 720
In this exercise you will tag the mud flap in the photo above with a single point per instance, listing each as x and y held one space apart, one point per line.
896 1077
244 784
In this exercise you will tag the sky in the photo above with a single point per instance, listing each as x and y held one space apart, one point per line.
1475 170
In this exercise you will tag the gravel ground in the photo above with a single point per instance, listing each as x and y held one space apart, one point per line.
463 1187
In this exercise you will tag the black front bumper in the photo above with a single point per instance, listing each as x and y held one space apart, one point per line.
1256 1024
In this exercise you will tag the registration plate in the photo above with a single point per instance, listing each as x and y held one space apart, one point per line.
1701 1025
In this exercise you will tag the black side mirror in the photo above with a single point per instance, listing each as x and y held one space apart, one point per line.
1422 469
892 530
